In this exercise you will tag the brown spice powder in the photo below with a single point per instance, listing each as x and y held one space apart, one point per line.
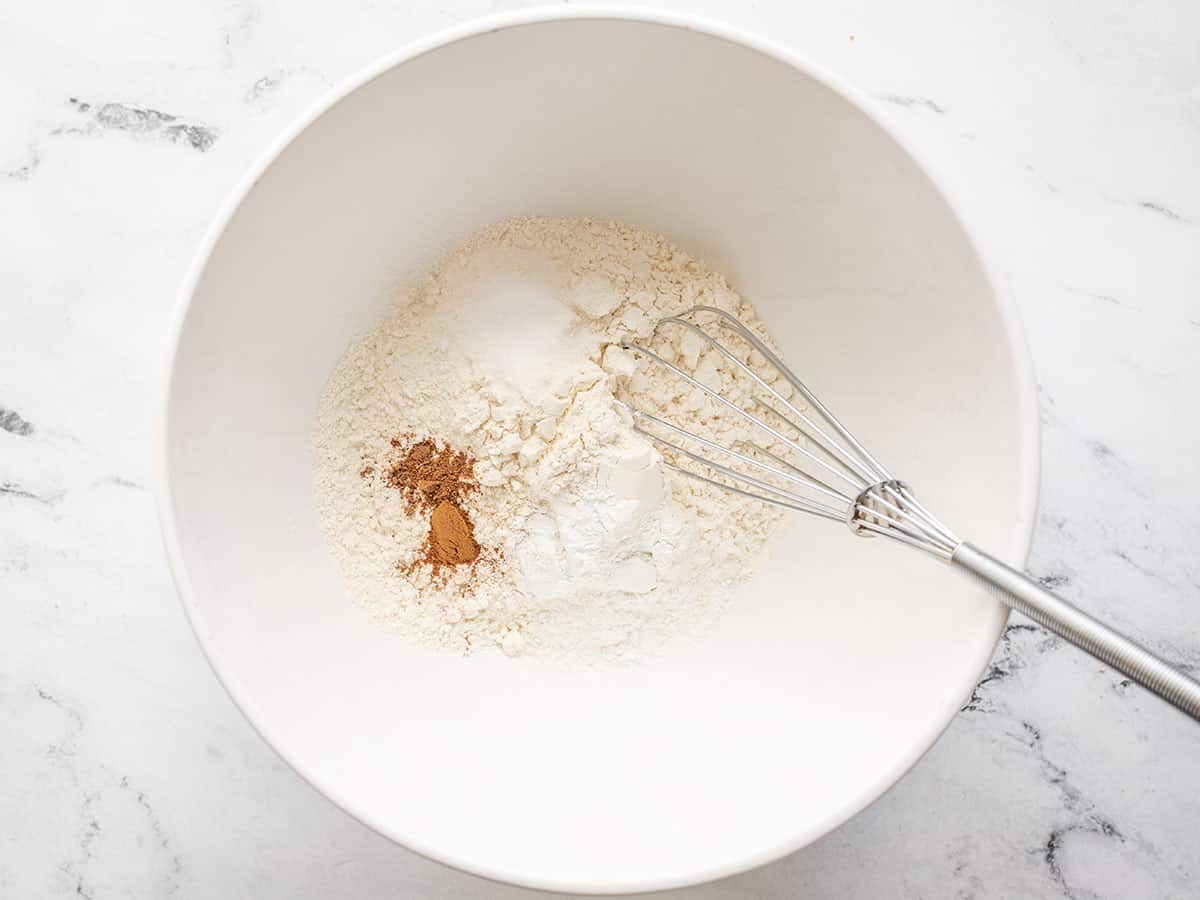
451 537
427 475
435 480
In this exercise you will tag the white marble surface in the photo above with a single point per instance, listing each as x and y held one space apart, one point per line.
1071 131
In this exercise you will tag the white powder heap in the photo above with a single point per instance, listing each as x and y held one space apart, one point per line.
506 351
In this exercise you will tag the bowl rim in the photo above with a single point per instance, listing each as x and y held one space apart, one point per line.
1029 444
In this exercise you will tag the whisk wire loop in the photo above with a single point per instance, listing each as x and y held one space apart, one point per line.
812 430
749 417
799 477
731 322
819 468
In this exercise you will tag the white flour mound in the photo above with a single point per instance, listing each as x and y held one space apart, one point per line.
506 351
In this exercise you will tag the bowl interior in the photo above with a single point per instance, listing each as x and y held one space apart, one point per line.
833 671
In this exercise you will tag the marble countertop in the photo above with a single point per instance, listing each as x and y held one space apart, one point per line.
1070 131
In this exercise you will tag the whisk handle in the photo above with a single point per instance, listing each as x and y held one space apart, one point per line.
1022 593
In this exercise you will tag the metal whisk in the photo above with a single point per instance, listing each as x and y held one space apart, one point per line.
807 461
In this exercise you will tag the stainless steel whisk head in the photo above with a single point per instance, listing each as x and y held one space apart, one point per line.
804 459
825 472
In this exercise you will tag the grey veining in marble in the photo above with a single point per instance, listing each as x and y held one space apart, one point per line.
1070 133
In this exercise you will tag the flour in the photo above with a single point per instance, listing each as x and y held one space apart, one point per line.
507 351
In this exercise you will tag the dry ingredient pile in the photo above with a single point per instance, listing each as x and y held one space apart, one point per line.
477 470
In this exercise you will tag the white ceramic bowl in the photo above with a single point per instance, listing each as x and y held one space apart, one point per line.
833 671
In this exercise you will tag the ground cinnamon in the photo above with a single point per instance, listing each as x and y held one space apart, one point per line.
427 475
451 537
435 480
